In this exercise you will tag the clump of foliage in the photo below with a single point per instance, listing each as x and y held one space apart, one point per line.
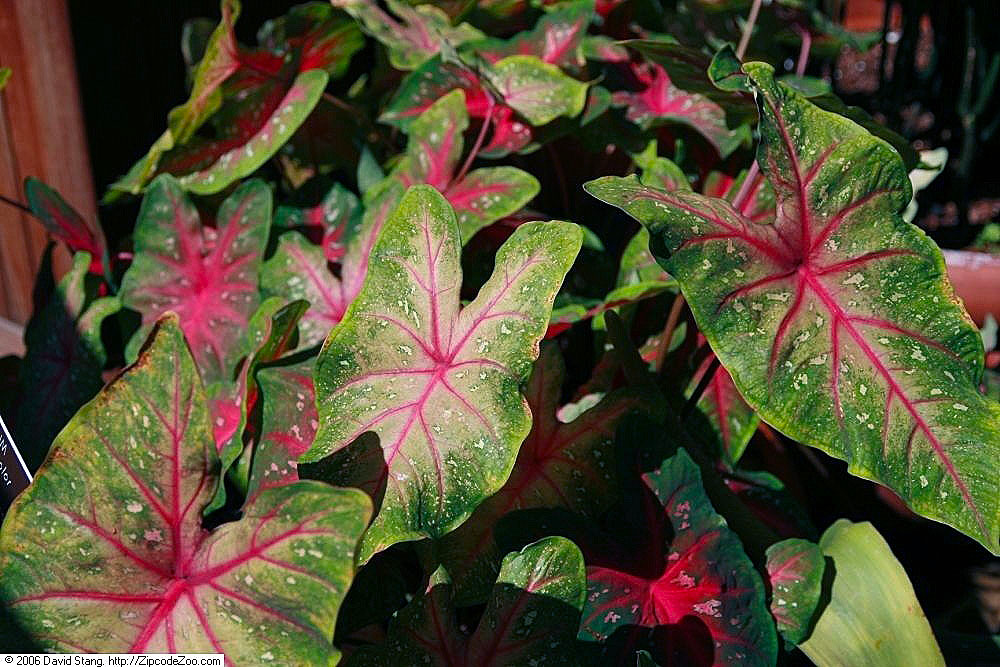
376 408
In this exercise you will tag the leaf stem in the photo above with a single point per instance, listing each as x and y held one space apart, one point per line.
746 187
16 204
703 383
748 29
800 67
479 142
668 331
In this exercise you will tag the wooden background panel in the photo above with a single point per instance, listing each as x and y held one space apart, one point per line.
41 135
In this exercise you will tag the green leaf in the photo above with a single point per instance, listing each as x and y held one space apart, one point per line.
530 619
438 385
229 164
537 90
64 358
207 276
337 217
219 60
837 321
873 617
795 568
416 36
105 551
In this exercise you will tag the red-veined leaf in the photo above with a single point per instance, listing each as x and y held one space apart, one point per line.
795 568
298 269
435 146
691 595
557 37
531 617
837 320
63 222
732 420
439 385
562 463
659 100
207 275
63 360
417 36
335 220
105 552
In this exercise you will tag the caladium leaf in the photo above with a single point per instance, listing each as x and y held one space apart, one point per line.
515 93
270 333
562 463
872 602
692 598
438 385
335 220
557 37
435 146
837 321
298 269
219 61
63 360
288 424
63 222
417 36
531 617
795 568
208 276
660 101
105 552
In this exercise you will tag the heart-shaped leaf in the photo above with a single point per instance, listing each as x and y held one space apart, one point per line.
837 321
105 551
414 38
438 385
795 568
208 276
537 90
298 269
659 100
563 462
435 146
692 595
64 223
531 617
63 360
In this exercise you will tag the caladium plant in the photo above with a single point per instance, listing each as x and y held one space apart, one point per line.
341 274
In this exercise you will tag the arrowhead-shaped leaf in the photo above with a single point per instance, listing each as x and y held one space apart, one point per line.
692 593
105 551
562 463
63 222
208 276
417 36
837 321
298 269
530 619
795 568
537 90
435 146
438 385
63 360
